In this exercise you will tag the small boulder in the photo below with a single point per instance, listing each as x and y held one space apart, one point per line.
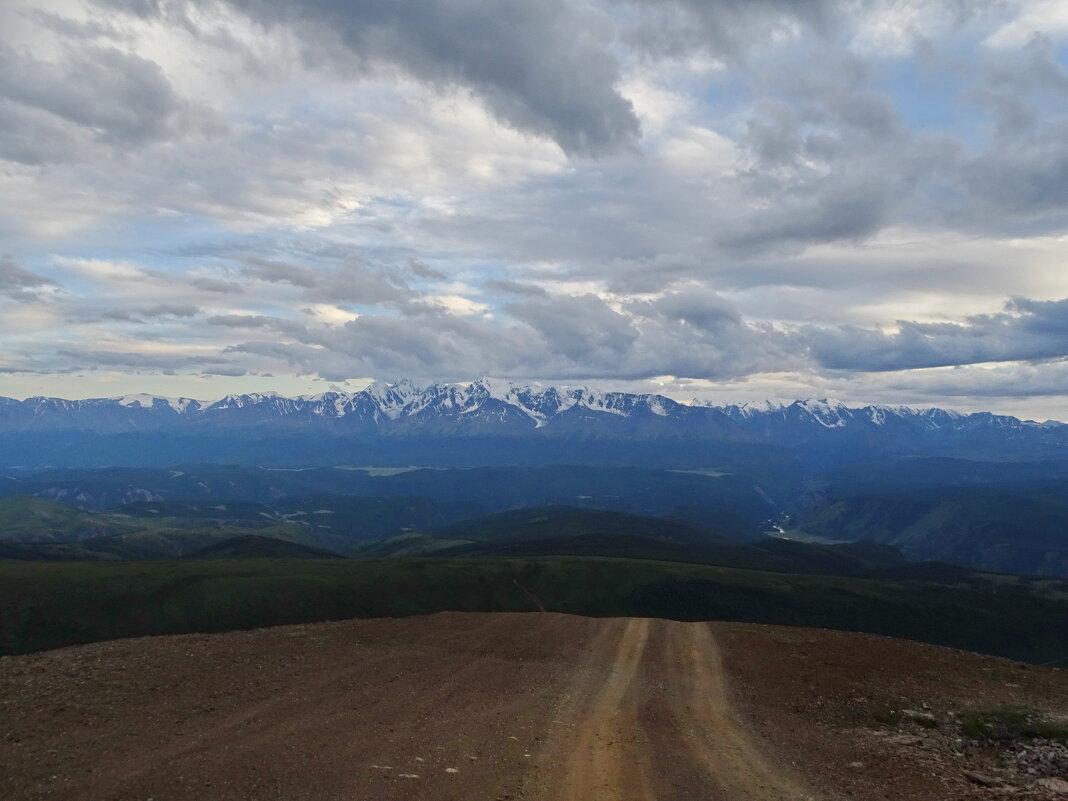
1054 785
981 779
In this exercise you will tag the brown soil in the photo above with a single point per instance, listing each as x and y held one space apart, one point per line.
535 706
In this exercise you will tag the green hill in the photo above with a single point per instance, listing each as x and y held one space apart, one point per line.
252 546
1001 531
562 522
47 605
24 518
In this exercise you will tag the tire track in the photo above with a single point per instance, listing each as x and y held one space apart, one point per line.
662 720
608 761
714 733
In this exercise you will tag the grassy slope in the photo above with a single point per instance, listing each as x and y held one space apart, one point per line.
29 519
559 522
50 605
996 531
254 546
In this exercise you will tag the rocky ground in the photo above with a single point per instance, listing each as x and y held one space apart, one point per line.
870 717
531 706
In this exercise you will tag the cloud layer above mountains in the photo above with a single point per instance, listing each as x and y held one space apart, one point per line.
730 199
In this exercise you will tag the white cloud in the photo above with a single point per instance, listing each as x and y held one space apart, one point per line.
771 196
1032 17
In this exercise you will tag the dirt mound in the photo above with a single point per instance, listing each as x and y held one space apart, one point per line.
534 706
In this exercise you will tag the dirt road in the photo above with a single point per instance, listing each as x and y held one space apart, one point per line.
652 719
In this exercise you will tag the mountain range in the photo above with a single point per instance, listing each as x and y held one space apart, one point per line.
485 402
493 422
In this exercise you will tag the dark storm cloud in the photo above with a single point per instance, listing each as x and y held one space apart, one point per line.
544 67
18 283
1027 330
53 110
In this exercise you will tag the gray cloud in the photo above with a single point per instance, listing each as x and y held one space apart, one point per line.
151 313
692 333
76 29
420 269
726 28
90 359
582 329
698 307
18 283
1027 330
279 272
55 110
515 288
544 68
217 285
350 280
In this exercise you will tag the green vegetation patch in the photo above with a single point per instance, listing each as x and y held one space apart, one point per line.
1011 724
49 605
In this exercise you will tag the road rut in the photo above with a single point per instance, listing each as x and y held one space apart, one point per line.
650 719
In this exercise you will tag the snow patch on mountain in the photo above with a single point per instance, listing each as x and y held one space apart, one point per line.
501 404
828 413
180 405
393 399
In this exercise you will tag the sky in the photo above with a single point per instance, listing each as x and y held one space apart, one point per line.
730 200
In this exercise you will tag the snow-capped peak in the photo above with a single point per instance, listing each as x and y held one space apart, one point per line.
391 399
828 412
241 401
180 405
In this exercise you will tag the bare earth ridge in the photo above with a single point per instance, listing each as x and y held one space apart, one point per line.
542 707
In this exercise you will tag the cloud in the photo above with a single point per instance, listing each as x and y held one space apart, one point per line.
421 269
350 280
152 312
1043 16
279 272
728 29
19 284
217 285
582 329
515 288
544 68
57 110
1027 330
89 359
